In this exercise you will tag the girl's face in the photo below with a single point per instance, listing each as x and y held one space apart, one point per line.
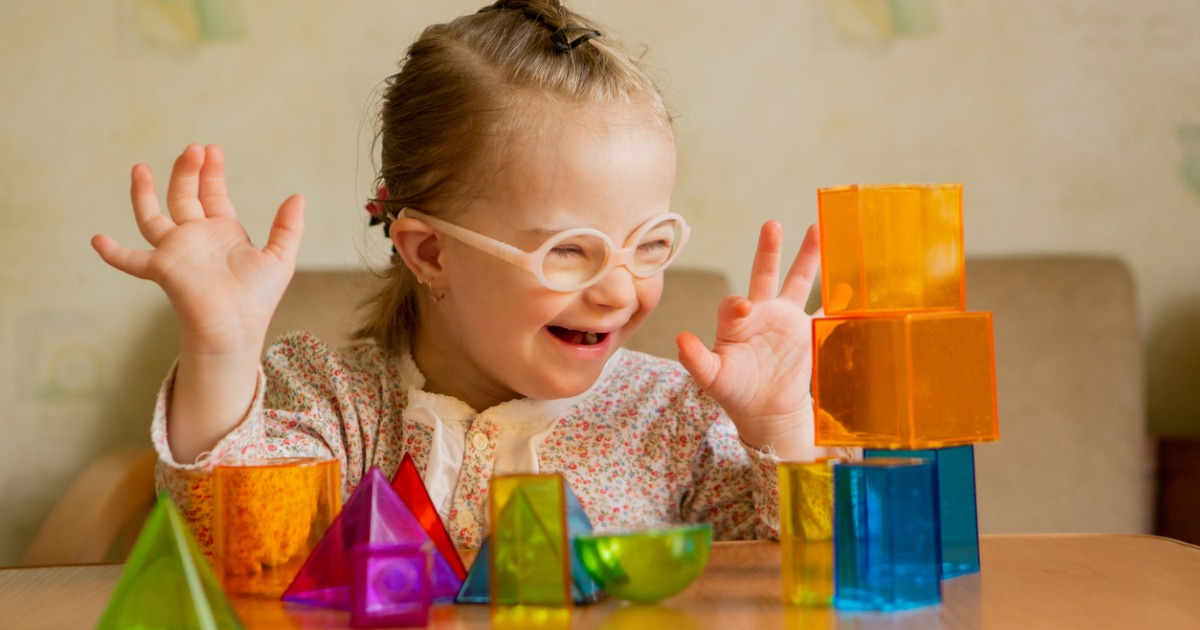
500 334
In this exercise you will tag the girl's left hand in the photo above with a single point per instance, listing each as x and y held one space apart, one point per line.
760 368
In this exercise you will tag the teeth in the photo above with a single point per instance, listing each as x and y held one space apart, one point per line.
590 338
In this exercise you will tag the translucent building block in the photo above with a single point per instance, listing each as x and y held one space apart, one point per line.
530 561
268 515
167 583
887 554
956 503
920 380
806 531
390 585
408 485
584 590
891 248
646 566
373 515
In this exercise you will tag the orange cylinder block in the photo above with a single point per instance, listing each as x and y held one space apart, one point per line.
891 248
268 516
913 381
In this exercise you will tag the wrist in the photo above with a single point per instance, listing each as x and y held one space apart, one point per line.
790 436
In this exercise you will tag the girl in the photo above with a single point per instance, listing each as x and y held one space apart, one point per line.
527 169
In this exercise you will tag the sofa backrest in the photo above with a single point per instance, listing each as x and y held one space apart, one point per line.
1073 454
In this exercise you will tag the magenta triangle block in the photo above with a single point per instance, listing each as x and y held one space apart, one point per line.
374 515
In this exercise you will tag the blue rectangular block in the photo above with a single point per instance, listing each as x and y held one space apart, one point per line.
887 550
957 505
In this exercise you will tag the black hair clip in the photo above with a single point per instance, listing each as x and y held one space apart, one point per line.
564 45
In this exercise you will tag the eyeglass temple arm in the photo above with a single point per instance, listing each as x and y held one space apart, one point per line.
500 250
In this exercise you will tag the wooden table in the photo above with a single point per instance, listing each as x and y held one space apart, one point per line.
1031 581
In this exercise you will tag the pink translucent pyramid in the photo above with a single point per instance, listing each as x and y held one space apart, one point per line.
407 483
374 516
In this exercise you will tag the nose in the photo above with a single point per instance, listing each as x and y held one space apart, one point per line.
615 290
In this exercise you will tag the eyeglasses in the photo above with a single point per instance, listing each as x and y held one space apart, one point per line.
577 258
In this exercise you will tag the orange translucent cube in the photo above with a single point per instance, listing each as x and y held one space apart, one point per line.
891 248
914 381
268 515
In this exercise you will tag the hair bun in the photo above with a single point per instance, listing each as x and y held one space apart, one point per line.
551 13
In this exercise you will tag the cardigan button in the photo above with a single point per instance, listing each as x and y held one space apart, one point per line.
479 441
465 519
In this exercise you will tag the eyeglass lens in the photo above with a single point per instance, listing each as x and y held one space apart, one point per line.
578 258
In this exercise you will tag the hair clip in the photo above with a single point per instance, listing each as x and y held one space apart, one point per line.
563 45
375 206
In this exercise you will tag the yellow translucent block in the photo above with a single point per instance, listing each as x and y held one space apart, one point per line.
267 516
891 248
913 381
806 531
530 558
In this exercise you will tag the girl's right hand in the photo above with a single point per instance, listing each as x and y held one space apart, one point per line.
223 289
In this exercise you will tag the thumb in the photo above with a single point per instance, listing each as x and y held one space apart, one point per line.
288 228
702 364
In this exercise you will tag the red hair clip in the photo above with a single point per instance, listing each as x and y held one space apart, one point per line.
375 207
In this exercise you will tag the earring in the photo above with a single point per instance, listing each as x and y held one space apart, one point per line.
436 297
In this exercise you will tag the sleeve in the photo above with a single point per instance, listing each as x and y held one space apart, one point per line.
309 402
734 487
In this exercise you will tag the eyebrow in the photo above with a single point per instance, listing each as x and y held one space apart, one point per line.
542 233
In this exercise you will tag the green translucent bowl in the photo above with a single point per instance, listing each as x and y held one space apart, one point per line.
645 566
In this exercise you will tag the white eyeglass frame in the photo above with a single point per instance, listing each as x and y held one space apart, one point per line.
533 261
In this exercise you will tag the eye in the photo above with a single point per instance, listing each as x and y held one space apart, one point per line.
653 246
566 251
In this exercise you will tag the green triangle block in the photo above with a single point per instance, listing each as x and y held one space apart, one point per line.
527 558
167 582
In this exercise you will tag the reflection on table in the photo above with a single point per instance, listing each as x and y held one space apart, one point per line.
1109 581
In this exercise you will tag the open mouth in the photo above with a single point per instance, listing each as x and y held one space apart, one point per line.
578 337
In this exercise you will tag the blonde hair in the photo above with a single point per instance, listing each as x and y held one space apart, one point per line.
452 106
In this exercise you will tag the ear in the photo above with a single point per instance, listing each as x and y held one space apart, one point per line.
420 247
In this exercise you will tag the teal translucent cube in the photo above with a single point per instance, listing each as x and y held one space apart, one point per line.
887 549
956 504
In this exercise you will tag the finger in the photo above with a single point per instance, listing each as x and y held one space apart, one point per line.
800 276
838 298
151 222
133 262
764 274
214 196
697 360
733 307
286 231
182 192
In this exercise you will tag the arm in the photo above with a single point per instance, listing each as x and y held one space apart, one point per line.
222 288
310 401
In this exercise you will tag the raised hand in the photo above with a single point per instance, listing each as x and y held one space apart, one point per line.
760 367
223 289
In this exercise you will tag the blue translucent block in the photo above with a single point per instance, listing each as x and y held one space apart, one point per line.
887 550
956 499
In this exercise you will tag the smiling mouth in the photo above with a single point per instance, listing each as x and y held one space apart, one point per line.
578 337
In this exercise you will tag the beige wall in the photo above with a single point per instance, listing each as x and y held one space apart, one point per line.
1071 123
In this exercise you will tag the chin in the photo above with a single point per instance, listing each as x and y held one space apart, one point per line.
564 385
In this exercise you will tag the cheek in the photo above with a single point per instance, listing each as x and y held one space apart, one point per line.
649 293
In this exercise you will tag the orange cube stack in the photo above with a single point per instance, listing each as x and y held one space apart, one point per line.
898 362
